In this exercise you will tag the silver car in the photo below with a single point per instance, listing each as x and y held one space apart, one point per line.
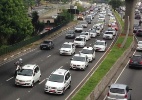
119 92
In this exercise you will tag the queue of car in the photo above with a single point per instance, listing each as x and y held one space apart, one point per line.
60 79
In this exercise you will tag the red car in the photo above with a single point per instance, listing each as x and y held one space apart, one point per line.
48 28
114 26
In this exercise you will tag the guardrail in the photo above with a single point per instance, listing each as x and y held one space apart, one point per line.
110 74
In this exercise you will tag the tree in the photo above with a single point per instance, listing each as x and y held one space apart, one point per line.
116 3
14 22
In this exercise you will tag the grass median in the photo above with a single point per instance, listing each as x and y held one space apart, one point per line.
105 66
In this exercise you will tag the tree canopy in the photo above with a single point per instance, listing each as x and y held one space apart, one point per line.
14 22
116 3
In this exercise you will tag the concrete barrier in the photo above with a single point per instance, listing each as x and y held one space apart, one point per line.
108 77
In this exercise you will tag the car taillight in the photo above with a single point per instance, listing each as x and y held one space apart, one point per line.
125 96
108 94
130 61
140 62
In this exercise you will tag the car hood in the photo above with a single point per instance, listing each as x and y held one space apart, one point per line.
65 49
24 78
99 46
88 55
108 35
77 62
54 84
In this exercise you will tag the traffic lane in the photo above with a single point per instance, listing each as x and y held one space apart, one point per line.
77 76
132 77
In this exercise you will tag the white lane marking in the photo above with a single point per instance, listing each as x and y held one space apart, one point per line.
18 99
89 72
42 81
10 78
120 74
46 78
48 56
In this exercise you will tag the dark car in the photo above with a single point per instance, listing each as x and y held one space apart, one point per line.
135 28
88 20
137 16
47 44
135 61
70 34
139 32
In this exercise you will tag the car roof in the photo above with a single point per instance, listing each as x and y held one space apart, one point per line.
29 66
60 71
89 48
80 37
80 55
117 85
68 43
100 40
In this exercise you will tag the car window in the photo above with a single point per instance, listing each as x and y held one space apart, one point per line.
86 51
36 69
25 72
67 76
79 39
66 46
78 58
117 90
56 78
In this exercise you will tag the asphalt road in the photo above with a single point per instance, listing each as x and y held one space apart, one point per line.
48 60
132 77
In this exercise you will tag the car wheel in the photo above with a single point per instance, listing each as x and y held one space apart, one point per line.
63 91
39 79
40 48
32 84
69 85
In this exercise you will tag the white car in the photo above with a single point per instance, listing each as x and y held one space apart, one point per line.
92 32
139 46
79 28
112 30
102 17
108 35
90 16
100 45
84 24
79 62
28 75
89 52
68 48
87 35
58 81
80 41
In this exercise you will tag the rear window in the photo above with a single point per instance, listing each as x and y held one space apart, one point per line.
116 90
136 57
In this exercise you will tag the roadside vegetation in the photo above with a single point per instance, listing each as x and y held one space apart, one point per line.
105 66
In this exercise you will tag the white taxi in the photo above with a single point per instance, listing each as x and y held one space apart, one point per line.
68 48
87 35
80 41
89 52
100 45
79 62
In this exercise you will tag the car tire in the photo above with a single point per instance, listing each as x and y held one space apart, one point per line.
69 85
63 91
32 85
39 79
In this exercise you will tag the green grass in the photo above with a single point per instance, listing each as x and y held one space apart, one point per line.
105 66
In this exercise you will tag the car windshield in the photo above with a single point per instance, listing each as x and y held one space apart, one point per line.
46 42
99 43
117 90
56 78
79 39
86 51
140 42
70 32
66 46
78 26
108 32
84 33
25 72
79 58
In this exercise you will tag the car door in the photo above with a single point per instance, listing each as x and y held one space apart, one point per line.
36 74
67 80
73 46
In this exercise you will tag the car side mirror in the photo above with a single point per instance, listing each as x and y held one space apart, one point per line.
71 59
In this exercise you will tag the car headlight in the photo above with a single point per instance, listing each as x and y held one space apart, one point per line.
60 88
